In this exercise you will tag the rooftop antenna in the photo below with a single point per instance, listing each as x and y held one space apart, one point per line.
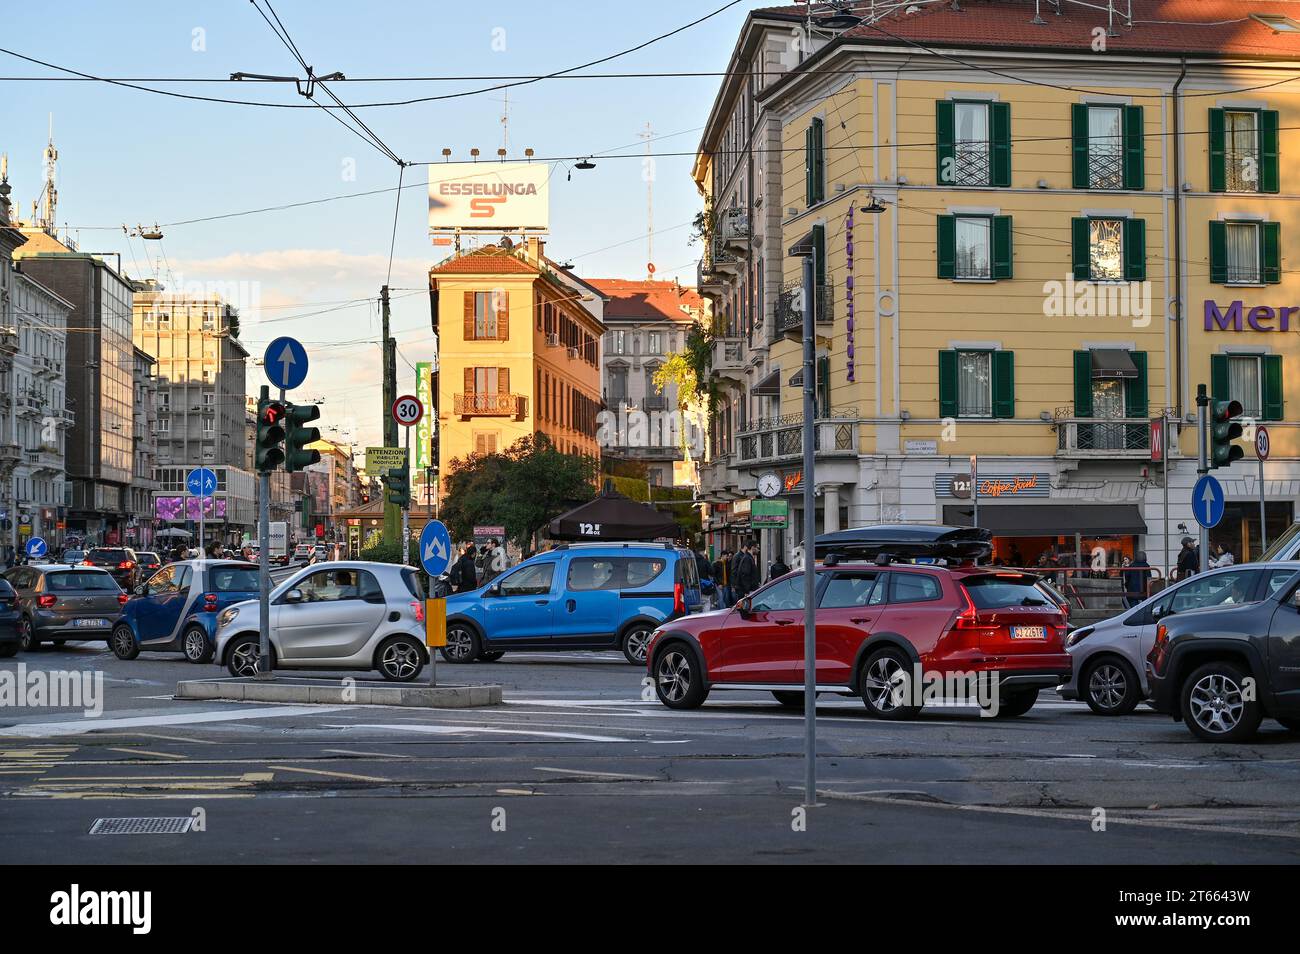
45 207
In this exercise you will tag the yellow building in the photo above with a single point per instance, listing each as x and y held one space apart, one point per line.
518 352
1029 244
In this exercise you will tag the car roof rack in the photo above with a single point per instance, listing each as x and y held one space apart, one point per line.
900 542
615 543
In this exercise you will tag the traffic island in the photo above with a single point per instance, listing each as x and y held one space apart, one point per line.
339 692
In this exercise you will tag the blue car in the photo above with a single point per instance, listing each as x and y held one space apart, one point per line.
584 596
176 609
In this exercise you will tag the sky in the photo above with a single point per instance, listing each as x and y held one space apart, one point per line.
128 157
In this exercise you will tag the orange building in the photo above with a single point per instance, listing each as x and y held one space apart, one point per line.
518 352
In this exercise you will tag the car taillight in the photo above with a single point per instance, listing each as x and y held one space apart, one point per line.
1159 650
418 609
968 618
86 563
679 598
122 598
46 600
209 602
125 565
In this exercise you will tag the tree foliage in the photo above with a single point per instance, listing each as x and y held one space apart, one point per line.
521 489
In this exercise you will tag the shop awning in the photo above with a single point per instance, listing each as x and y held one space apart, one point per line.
1113 363
769 386
802 247
1050 520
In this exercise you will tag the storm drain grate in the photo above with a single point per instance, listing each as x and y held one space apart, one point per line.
142 826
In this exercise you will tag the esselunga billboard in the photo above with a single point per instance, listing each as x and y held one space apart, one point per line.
494 196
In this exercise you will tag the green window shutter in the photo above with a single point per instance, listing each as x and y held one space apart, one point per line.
816 149
1001 246
947 251
808 165
1218 152
1134 148
819 249
1269 178
1135 389
947 383
1219 252
1219 376
1079 134
823 386
945 138
1000 136
1083 384
1135 250
1004 384
1272 387
1270 251
1081 252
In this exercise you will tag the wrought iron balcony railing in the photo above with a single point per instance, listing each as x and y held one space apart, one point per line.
488 405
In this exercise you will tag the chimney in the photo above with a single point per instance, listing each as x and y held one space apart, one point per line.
536 249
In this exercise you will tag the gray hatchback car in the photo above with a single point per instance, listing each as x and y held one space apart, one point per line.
58 602
1109 671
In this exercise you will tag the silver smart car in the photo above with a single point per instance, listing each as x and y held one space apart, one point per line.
1109 670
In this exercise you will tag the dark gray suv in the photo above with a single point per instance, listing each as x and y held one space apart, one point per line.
57 602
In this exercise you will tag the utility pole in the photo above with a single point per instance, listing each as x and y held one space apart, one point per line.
1203 462
392 515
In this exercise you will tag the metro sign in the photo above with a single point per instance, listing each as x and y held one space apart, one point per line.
1259 318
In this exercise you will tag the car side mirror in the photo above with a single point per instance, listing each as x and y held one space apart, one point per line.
293 596
140 590
745 608
493 590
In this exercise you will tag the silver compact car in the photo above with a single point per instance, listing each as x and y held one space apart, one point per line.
343 615
1109 671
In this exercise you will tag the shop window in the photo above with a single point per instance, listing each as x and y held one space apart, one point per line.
1106 249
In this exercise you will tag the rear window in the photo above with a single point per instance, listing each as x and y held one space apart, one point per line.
414 583
913 588
233 579
688 572
147 557
999 592
613 573
117 556
72 556
78 580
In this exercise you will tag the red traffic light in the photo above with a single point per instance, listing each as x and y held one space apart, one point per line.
272 413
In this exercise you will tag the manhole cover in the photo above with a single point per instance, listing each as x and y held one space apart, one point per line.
141 826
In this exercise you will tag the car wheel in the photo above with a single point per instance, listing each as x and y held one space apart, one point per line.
635 642
8 650
241 659
1110 687
462 644
790 698
679 680
1016 703
886 685
492 656
1288 723
1214 705
27 640
400 658
123 642
196 645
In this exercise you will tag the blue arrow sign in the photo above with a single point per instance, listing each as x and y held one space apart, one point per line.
36 547
201 482
1207 501
435 548
285 362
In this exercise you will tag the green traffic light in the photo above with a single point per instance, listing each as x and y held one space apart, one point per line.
398 483
1224 429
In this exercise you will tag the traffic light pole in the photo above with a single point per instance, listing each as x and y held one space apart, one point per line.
406 511
264 575
392 521
1203 462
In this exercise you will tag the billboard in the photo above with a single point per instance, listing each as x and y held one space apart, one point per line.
176 509
489 196
424 430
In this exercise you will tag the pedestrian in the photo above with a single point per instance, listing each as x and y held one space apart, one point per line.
464 575
1221 556
722 577
779 568
1017 559
1135 576
1189 559
744 571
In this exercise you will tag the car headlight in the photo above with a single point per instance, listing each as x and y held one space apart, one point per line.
227 616
1078 636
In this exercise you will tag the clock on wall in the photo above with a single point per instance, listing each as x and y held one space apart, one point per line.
769 485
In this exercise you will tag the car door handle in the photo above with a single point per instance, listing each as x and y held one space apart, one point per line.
860 620
541 602
570 605
783 622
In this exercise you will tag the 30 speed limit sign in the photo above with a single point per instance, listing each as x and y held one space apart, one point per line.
407 410
1261 442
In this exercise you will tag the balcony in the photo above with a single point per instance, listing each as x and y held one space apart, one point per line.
655 452
789 309
10 454
47 366
65 418
44 461
8 343
488 405
29 406
1091 437
771 440
728 359
734 228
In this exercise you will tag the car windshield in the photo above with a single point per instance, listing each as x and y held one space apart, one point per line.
78 580
1000 591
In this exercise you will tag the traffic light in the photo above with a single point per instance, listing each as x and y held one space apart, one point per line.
1223 431
270 433
296 456
398 481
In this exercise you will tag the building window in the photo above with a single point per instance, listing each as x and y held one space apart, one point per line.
1245 253
209 399
656 343
487 315
1106 249
815 162
1253 379
1105 148
1244 383
973 143
1109 249
1109 150
974 247
485 442
977 383
1243 150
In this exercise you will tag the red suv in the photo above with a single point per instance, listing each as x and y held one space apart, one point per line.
881 627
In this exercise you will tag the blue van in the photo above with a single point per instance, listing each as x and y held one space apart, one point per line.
176 609
581 596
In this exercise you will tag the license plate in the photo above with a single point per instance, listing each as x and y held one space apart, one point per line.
1028 632
90 623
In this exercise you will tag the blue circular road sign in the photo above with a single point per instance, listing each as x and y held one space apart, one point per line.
1208 501
435 548
201 482
285 362
36 547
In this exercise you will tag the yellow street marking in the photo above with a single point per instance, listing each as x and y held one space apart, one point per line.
148 795
172 738
39 771
128 779
515 791
359 778
161 755
377 755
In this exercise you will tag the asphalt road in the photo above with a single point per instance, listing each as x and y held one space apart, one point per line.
578 767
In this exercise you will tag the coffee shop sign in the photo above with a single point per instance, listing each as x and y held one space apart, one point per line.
1258 318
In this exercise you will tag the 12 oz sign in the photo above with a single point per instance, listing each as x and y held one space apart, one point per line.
407 410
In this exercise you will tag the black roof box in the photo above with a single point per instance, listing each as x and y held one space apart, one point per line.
907 541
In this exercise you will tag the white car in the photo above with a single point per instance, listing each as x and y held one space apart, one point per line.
344 615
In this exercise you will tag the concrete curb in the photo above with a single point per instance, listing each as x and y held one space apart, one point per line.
333 692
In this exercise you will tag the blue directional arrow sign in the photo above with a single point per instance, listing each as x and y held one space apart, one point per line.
1207 501
435 548
285 362
201 482
36 547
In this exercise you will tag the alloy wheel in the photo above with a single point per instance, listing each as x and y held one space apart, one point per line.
460 643
1108 685
243 660
401 660
25 635
884 684
123 641
1216 703
196 645
636 643
674 675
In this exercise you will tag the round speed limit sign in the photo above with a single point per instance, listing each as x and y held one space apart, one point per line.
1261 442
407 410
